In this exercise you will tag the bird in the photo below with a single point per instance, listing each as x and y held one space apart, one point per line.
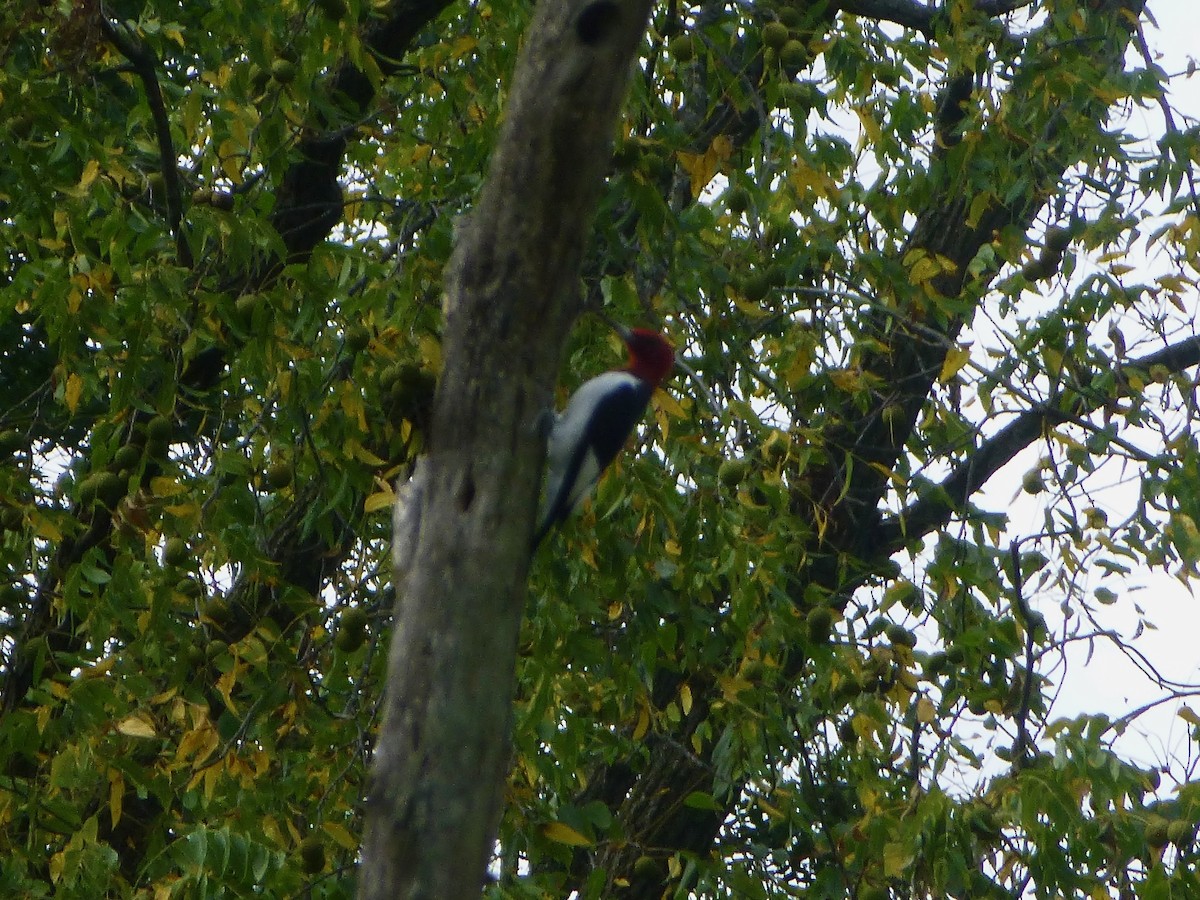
587 436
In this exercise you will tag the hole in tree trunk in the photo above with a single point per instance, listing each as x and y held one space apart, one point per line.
597 22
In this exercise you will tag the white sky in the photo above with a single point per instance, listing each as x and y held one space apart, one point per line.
1108 681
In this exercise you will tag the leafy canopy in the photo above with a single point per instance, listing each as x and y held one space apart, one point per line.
798 646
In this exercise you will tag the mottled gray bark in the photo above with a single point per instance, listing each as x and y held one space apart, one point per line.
462 542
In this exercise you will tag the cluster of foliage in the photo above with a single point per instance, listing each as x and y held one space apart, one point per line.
891 239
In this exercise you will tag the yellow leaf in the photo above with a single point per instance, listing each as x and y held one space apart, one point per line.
722 147
1188 715
979 206
1053 359
869 799
807 179
463 45
90 171
956 358
162 486
353 406
230 154
753 310
340 835
100 668
136 726
695 164
668 404
355 450
923 269
182 510
165 696
870 126
701 167
731 686
846 379
896 859
225 686
565 834
272 832
773 811
925 711
44 527
588 555
116 794
864 726
887 473
1067 441
379 500
664 426
1175 283
430 350
73 391
685 699
643 724
211 774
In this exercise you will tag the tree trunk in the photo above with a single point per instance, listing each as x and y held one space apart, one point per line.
462 542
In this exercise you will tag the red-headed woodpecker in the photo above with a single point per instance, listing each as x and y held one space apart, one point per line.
596 424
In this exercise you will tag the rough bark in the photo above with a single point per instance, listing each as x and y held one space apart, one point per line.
462 547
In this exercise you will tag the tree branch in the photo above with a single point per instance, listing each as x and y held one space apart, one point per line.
910 359
906 13
919 16
936 509
146 67
309 203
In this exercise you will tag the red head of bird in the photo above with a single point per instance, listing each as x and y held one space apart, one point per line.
650 356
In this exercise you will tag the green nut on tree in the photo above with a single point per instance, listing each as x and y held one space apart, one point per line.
106 487
682 48
737 199
794 55
732 471
352 630
10 442
278 475
775 35
283 71
175 553
357 338
820 624
312 854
